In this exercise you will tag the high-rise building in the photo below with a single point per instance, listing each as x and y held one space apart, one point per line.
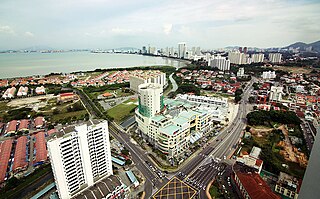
240 72
220 62
257 58
275 57
182 49
144 50
150 99
276 93
143 77
237 58
245 50
80 156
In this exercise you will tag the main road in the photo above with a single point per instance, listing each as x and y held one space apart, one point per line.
219 148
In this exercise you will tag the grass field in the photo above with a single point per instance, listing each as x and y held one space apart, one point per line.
64 116
122 111
3 106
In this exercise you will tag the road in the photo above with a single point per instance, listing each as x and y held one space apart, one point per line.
221 148
174 84
139 157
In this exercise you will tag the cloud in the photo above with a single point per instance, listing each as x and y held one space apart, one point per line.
124 31
167 28
208 23
7 30
29 34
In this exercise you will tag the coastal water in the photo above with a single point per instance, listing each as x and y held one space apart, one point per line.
28 64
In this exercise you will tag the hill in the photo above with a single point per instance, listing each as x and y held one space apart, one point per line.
303 46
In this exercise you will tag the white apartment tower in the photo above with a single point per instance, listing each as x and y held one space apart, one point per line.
240 72
237 58
220 62
275 57
144 77
182 49
268 75
257 58
276 93
80 155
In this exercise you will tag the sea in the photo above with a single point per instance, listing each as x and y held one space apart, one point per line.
29 64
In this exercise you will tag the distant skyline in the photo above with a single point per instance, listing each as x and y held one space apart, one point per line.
69 24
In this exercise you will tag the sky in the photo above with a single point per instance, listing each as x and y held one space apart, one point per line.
105 24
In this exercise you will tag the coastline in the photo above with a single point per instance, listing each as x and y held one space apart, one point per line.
45 64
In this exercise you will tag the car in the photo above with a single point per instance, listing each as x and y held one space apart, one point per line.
224 157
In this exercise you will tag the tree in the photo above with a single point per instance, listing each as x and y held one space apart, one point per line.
251 99
237 98
128 162
125 152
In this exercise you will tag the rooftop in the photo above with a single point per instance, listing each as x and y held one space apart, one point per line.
180 120
20 159
41 148
100 189
170 129
5 150
255 186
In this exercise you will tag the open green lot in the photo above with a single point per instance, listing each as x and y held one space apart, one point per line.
214 191
272 160
69 116
123 110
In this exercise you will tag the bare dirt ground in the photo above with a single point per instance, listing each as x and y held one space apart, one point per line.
260 131
294 69
29 100
289 152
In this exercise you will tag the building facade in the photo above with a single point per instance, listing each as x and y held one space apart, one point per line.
237 58
80 157
182 49
275 57
276 93
268 75
257 58
168 127
220 62
143 77
288 186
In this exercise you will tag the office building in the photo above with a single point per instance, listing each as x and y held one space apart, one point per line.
276 93
220 62
182 49
257 58
171 125
275 57
80 156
